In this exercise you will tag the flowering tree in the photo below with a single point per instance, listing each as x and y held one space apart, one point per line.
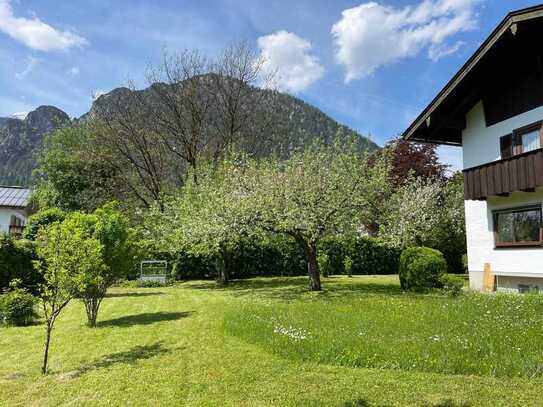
413 214
428 212
320 191
206 217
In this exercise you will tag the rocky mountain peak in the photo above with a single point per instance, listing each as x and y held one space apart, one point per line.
46 118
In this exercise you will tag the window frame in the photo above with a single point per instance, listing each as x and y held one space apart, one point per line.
514 138
500 245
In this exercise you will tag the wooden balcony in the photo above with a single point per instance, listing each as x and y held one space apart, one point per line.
523 172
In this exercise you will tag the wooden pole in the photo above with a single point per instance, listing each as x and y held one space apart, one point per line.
488 278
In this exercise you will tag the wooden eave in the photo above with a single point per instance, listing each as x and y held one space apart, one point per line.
432 125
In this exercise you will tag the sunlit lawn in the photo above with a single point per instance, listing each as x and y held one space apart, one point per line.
269 342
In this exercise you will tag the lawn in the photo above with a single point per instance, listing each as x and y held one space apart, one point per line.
269 342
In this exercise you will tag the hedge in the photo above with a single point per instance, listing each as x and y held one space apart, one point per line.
368 255
281 256
16 257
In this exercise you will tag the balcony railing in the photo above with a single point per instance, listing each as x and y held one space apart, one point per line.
523 172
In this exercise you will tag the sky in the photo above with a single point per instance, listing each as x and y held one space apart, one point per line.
372 66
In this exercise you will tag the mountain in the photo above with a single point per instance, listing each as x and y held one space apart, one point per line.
21 138
279 123
295 124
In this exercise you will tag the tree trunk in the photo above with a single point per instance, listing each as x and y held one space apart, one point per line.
46 349
92 305
223 276
313 266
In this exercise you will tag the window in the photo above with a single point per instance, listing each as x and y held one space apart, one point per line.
518 227
522 140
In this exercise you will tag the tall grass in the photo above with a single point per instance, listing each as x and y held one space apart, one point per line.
487 335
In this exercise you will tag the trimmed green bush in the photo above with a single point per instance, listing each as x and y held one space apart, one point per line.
421 268
17 307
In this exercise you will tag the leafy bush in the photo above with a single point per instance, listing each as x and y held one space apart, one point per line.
16 258
17 307
348 265
452 285
324 264
40 219
281 256
421 268
274 256
368 255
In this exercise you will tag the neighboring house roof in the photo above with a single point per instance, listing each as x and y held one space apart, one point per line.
14 197
443 120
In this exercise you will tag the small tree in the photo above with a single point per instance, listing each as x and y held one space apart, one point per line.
67 254
110 228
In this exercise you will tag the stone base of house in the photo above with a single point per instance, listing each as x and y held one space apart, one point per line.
507 283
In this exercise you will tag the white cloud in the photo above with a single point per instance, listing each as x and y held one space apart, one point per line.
97 93
34 33
372 35
30 65
74 71
288 56
19 115
442 50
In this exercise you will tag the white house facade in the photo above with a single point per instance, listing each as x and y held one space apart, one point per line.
13 209
493 109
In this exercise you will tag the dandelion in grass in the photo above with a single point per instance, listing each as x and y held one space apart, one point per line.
296 334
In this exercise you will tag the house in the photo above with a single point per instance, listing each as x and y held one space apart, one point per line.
493 109
13 209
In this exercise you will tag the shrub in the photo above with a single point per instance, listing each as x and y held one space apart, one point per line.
369 255
324 264
40 219
274 256
452 285
348 265
17 307
16 257
421 268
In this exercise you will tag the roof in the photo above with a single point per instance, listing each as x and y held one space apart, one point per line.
14 197
436 123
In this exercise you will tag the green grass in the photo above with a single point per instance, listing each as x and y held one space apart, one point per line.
473 334
191 344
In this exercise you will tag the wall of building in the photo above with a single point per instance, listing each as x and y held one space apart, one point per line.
5 218
481 144
526 261
514 266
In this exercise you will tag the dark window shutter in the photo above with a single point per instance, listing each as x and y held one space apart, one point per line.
517 143
506 146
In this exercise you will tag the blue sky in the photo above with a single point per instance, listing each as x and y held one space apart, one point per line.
370 65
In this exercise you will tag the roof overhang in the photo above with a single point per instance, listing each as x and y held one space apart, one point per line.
443 120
